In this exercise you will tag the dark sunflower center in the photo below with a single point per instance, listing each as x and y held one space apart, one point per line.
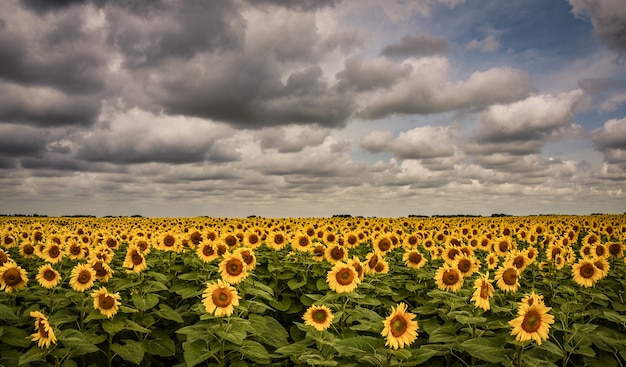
319 316
8 240
54 252
352 239
415 257
345 276
99 268
336 253
196 238
587 271
222 297
111 242
253 239
234 267
464 265
379 267
41 329
303 241
412 240
484 290
600 250
12 277
384 244
373 261
142 245
84 277
532 321
450 277
279 239
503 246
106 302
169 241
75 250
615 249
49 275
398 326
318 251
208 250
509 276
136 258
28 250
230 240
519 262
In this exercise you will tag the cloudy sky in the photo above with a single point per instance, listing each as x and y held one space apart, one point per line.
298 108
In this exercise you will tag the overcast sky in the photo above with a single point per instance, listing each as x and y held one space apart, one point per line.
299 108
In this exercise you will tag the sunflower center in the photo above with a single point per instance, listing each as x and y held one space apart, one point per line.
12 277
336 253
398 326
41 329
519 262
169 241
54 251
484 290
352 239
412 240
615 249
75 250
319 316
587 271
222 297
247 257
464 265
532 321
330 237
303 241
196 238
142 245
509 276
106 302
373 261
253 239
84 277
111 242
345 276
136 258
234 267
450 277
318 251
279 239
384 244
415 257
230 240
49 275
99 268
380 266
503 246
28 249
600 251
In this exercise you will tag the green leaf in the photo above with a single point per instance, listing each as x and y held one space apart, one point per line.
132 351
281 305
359 345
615 317
294 349
6 313
470 320
146 302
275 334
34 354
78 342
113 326
420 356
295 283
131 325
16 337
486 349
254 351
195 352
234 332
162 345
166 312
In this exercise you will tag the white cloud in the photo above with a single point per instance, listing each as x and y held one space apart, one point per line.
488 44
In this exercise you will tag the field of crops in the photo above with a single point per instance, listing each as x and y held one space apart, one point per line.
513 291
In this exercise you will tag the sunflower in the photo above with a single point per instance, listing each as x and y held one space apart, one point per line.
252 239
449 278
507 277
467 265
383 244
319 317
450 253
102 269
220 298
27 250
74 250
44 335
413 259
317 252
276 240
230 240
169 241
343 278
8 240
484 291
492 260
233 269
399 327
105 302
4 257
356 263
532 322
351 240
517 259
47 277
301 242
603 265
52 253
599 250
111 242
531 254
248 257
104 253
381 267
207 252
335 253
82 277
12 277
616 249
502 246
135 260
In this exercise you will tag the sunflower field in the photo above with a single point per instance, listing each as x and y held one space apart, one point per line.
463 291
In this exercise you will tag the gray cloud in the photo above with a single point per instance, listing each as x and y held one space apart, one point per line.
365 75
418 45
299 5
608 18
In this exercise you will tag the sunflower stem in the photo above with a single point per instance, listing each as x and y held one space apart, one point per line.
520 351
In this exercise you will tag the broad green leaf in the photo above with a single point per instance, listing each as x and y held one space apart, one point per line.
34 354
294 349
195 352
166 312
486 349
6 313
275 334
254 351
131 325
470 320
146 302
296 283
357 346
161 345
132 351
113 326
16 337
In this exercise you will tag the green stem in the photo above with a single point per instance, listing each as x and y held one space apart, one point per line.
520 351
109 354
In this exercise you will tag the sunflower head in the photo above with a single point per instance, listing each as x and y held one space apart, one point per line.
399 327
318 317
